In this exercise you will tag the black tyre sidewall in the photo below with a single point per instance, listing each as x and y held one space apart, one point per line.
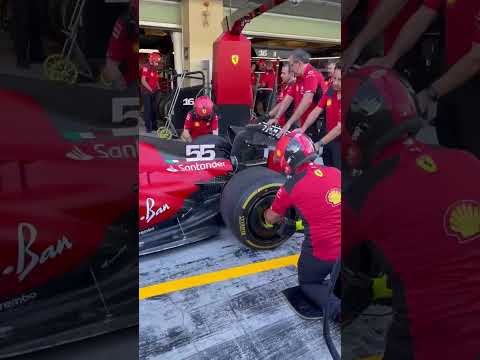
239 198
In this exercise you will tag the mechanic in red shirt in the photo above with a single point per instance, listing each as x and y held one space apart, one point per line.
331 103
314 191
386 17
288 80
458 88
417 208
266 84
308 89
202 120
121 67
330 70
149 89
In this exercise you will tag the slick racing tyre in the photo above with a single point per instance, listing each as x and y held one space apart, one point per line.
244 199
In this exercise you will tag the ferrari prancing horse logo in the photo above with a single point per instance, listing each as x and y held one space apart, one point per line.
235 59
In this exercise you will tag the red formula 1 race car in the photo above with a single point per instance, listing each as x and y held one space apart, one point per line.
184 188
68 209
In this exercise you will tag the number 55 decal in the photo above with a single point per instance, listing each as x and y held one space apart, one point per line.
200 152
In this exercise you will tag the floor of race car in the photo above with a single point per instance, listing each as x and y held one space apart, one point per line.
243 317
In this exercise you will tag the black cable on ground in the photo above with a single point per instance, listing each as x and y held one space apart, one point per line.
326 316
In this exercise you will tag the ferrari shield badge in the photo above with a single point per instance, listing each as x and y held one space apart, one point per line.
462 221
427 164
235 59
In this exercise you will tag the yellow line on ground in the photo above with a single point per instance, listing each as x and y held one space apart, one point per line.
216 276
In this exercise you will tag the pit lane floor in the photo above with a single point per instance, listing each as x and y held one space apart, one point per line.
244 317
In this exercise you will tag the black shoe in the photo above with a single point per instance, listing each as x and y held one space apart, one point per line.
37 59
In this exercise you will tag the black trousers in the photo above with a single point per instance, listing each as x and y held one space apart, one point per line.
29 23
149 110
311 277
332 154
457 123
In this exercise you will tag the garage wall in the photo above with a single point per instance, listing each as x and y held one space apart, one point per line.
161 13
168 14
288 27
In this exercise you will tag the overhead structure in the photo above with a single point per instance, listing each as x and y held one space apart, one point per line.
232 65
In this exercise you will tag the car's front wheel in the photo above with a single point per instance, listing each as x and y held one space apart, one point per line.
244 199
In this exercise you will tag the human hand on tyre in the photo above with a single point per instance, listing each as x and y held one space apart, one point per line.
427 105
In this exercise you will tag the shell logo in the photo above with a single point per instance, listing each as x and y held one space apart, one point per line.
334 197
197 124
204 111
329 102
462 221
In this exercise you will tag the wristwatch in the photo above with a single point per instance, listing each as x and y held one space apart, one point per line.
432 93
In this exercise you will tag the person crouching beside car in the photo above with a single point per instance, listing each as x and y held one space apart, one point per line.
314 191
202 120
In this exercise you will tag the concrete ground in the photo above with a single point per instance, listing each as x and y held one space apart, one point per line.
244 318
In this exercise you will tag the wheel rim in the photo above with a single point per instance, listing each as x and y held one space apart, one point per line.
57 68
262 232
164 133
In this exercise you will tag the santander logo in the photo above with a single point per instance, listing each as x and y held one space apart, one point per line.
28 260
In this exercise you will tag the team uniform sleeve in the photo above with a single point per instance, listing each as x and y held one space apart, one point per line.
310 83
323 101
436 5
215 123
476 34
144 72
116 46
282 202
188 122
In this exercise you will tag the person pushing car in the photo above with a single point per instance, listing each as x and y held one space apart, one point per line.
314 191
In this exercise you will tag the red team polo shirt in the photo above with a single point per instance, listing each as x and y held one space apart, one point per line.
422 224
462 22
315 192
124 50
200 127
332 105
151 76
283 92
267 80
311 82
